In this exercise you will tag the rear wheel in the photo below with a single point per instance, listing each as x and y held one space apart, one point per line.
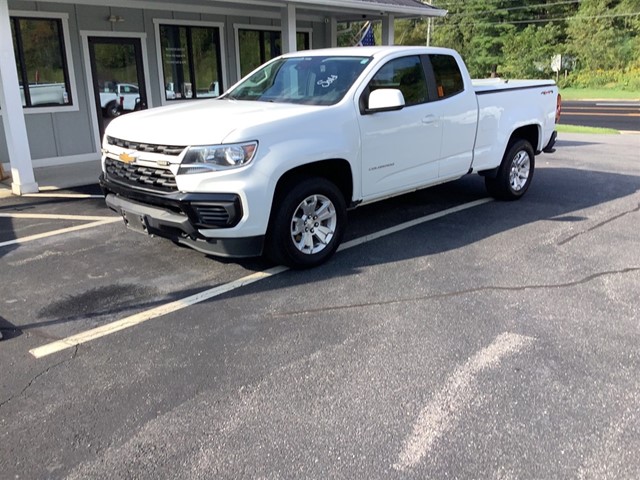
307 223
113 110
515 172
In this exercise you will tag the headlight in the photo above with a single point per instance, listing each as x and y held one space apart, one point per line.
217 157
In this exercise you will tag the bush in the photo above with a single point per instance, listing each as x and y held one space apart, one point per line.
627 79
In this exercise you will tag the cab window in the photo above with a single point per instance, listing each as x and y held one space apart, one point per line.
129 89
407 75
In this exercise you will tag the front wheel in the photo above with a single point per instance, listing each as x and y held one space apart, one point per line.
307 224
515 172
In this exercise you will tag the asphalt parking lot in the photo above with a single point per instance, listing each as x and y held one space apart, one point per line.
453 337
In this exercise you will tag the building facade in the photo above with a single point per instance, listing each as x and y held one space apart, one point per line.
68 67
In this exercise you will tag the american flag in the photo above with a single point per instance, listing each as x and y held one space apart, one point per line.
367 39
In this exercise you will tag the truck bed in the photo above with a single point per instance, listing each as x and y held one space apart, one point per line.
501 111
487 85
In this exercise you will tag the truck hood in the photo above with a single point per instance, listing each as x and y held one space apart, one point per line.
205 122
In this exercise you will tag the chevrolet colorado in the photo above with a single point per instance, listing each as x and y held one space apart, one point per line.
273 164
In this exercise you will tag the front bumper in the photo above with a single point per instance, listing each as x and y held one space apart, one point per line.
178 216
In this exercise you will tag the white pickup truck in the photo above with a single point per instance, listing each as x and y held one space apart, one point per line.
273 165
116 98
46 94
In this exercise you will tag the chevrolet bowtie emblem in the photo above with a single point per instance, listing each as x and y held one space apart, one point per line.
127 158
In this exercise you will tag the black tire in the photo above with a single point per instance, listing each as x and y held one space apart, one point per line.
113 110
515 172
284 245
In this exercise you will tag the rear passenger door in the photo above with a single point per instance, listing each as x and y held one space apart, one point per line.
400 149
456 106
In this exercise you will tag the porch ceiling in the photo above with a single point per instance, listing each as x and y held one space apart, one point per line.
343 10
355 9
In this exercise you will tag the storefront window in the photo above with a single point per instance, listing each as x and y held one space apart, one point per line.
191 62
259 46
40 60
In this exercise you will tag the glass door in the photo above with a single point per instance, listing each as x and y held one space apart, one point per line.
118 77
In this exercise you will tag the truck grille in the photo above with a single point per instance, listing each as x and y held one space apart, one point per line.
211 215
146 147
139 176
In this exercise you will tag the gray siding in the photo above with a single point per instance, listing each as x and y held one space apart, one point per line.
42 140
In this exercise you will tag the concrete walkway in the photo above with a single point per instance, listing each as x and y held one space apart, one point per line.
59 177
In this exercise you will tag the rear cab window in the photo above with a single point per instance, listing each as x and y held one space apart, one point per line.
447 75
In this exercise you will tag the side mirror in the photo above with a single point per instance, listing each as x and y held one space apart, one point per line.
385 100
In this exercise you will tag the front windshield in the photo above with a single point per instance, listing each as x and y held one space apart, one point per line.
304 80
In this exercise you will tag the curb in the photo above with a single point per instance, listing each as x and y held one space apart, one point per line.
6 192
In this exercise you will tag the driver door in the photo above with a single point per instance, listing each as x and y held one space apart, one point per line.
400 149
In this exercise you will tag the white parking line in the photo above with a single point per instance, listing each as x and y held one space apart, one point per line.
53 216
153 313
61 195
445 408
141 317
39 236
412 223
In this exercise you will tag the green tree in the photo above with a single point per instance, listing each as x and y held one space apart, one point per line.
602 35
484 32
477 29
518 38
630 24
528 53
411 31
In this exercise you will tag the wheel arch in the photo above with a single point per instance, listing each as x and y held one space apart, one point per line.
513 178
325 178
530 133
336 170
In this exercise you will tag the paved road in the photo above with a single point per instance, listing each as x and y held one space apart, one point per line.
494 340
619 115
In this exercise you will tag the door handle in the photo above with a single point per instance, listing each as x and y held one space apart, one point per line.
429 120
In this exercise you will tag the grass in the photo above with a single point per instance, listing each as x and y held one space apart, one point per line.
578 129
598 93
